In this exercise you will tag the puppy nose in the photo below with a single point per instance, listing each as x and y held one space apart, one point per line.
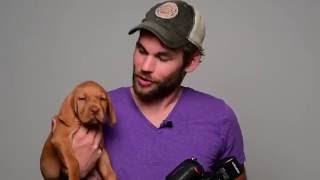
94 109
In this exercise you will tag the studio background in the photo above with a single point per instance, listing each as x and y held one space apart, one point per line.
262 57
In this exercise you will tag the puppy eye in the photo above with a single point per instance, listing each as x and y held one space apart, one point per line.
81 98
103 98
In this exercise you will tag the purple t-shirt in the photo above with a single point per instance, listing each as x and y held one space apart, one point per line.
204 127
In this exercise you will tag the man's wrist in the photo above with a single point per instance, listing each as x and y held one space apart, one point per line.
63 176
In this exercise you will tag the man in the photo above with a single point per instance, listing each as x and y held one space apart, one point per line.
160 122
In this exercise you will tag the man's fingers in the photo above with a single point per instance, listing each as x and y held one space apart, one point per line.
97 139
83 136
89 137
53 124
80 133
97 153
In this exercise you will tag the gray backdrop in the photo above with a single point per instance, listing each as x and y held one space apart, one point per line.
262 57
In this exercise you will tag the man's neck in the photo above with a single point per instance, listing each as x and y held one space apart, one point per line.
156 111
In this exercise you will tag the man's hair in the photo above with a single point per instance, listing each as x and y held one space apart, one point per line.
190 50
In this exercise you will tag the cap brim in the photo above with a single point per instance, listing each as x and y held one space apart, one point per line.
169 38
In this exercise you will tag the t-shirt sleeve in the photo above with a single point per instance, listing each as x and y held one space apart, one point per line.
233 140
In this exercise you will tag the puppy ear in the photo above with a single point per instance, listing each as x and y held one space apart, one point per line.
110 112
67 111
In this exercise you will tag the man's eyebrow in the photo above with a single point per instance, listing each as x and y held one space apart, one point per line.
165 52
140 46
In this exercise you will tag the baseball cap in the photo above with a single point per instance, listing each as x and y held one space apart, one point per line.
175 23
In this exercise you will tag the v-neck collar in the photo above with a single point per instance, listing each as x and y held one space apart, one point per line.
145 120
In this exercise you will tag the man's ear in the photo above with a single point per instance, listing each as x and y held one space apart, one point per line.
195 61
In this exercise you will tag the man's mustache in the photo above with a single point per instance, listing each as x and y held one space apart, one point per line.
145 77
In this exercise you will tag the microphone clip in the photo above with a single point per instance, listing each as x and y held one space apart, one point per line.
166 124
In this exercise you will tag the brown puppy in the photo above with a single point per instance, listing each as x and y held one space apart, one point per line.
87 105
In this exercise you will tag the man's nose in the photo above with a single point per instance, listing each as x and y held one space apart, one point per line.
148 64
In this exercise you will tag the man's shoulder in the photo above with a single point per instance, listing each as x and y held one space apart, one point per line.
119 91
120 95
204 102
200 96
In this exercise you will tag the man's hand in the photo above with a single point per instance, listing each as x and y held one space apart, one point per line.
243 176
85 144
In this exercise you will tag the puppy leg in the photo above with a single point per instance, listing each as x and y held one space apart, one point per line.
63 145
66 152
105 167
49 162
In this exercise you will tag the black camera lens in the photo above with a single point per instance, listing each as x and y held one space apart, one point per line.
189 169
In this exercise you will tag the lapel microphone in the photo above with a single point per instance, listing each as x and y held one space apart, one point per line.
166 124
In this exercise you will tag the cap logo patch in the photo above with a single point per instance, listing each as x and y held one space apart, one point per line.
167 10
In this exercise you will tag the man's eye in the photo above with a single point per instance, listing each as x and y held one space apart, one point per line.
142 51
164 58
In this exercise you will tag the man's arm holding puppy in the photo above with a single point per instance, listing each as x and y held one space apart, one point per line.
85 145
86 148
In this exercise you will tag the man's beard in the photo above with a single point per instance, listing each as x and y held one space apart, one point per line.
162 88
